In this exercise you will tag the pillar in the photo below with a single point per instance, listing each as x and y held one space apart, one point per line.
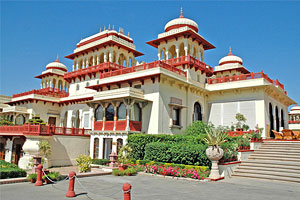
8 149
105 56
177 51
167 55
110 56
185 49
98 60
158 55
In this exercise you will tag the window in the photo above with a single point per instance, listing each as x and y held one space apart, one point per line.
86 121
110 113
122 112
176 116
136 113
96 148
77 87
282 119
197 115
198 78
20 120
138 86
87 84
99 113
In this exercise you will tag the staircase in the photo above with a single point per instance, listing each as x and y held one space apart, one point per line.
274 160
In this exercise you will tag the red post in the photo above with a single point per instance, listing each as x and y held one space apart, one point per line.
126 189
39 181
71 192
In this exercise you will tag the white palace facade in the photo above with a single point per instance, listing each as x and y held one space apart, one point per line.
109 94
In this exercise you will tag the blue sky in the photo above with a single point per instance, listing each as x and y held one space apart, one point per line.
265 34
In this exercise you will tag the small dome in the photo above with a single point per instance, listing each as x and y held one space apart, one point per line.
230 58
181 22
57 65
295 109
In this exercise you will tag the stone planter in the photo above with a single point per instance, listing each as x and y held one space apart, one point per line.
214 153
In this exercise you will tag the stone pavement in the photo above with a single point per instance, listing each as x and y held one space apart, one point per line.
156 188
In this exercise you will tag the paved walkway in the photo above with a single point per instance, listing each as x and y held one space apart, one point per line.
149 187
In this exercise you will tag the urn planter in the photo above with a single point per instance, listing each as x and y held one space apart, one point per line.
214 153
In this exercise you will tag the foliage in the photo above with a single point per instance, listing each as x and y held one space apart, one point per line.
36 120
198 128
128 172
31 177
84 163
138 142
230 150
181 166
124 155
100 161
215 136
180 153
5 122
241 122
173 171
243 141
9 170
45 148
54 176
257 135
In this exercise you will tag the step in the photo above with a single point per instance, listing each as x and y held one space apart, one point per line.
274 158
273 162
269 177
268 169
271 154
269 166
283 174
279 148
281 141
277 151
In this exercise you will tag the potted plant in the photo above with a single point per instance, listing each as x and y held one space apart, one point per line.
214 138
31 178
124 157
240 125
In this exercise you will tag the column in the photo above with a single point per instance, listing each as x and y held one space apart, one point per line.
77 65
117 59
98 60
8 150
177 51
185 49
105 56
128 109
111 56
158 55
94 60
167 55
114 144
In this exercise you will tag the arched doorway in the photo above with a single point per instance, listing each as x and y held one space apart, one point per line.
282 118
77 119
271 120
197 115
20 120
277 118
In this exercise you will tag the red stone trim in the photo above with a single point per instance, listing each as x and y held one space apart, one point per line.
181 25
230 163
217 179
240 69
59 68
245 150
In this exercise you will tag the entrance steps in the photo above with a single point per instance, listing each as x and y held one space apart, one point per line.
274 160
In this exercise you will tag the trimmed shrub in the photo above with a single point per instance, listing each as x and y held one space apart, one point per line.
198 128
84 163
138 142
128 172
179 153
100 161
12 173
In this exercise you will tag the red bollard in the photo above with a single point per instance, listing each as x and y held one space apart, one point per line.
126 189
39 181
71 192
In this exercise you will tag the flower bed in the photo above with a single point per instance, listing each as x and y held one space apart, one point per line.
159 169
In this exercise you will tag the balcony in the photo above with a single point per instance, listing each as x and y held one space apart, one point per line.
243 77
119 93
53 92
42 130
120 125
294 122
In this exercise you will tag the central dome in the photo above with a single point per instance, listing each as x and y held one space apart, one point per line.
181 22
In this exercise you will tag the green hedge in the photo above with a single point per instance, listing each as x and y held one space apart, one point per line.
100 161
179 153
138 142
12 173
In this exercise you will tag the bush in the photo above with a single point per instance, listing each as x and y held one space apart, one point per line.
54 176
128 172
198 128
10 170
230 150
100 161
31 176
138 142
84 163
178 153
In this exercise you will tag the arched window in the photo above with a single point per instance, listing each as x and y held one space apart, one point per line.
197 112
122 112
282 118
99 113
110 113
77 87
20 120
96 148
87 84
136 113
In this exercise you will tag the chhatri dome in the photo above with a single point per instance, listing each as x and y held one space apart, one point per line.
295 110
230 58
181 22
57 65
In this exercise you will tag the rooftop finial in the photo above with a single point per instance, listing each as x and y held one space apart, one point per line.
57 58
230 53
100 30
113 27
181 13
109 27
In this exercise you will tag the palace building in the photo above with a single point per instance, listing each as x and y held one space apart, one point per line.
109 94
